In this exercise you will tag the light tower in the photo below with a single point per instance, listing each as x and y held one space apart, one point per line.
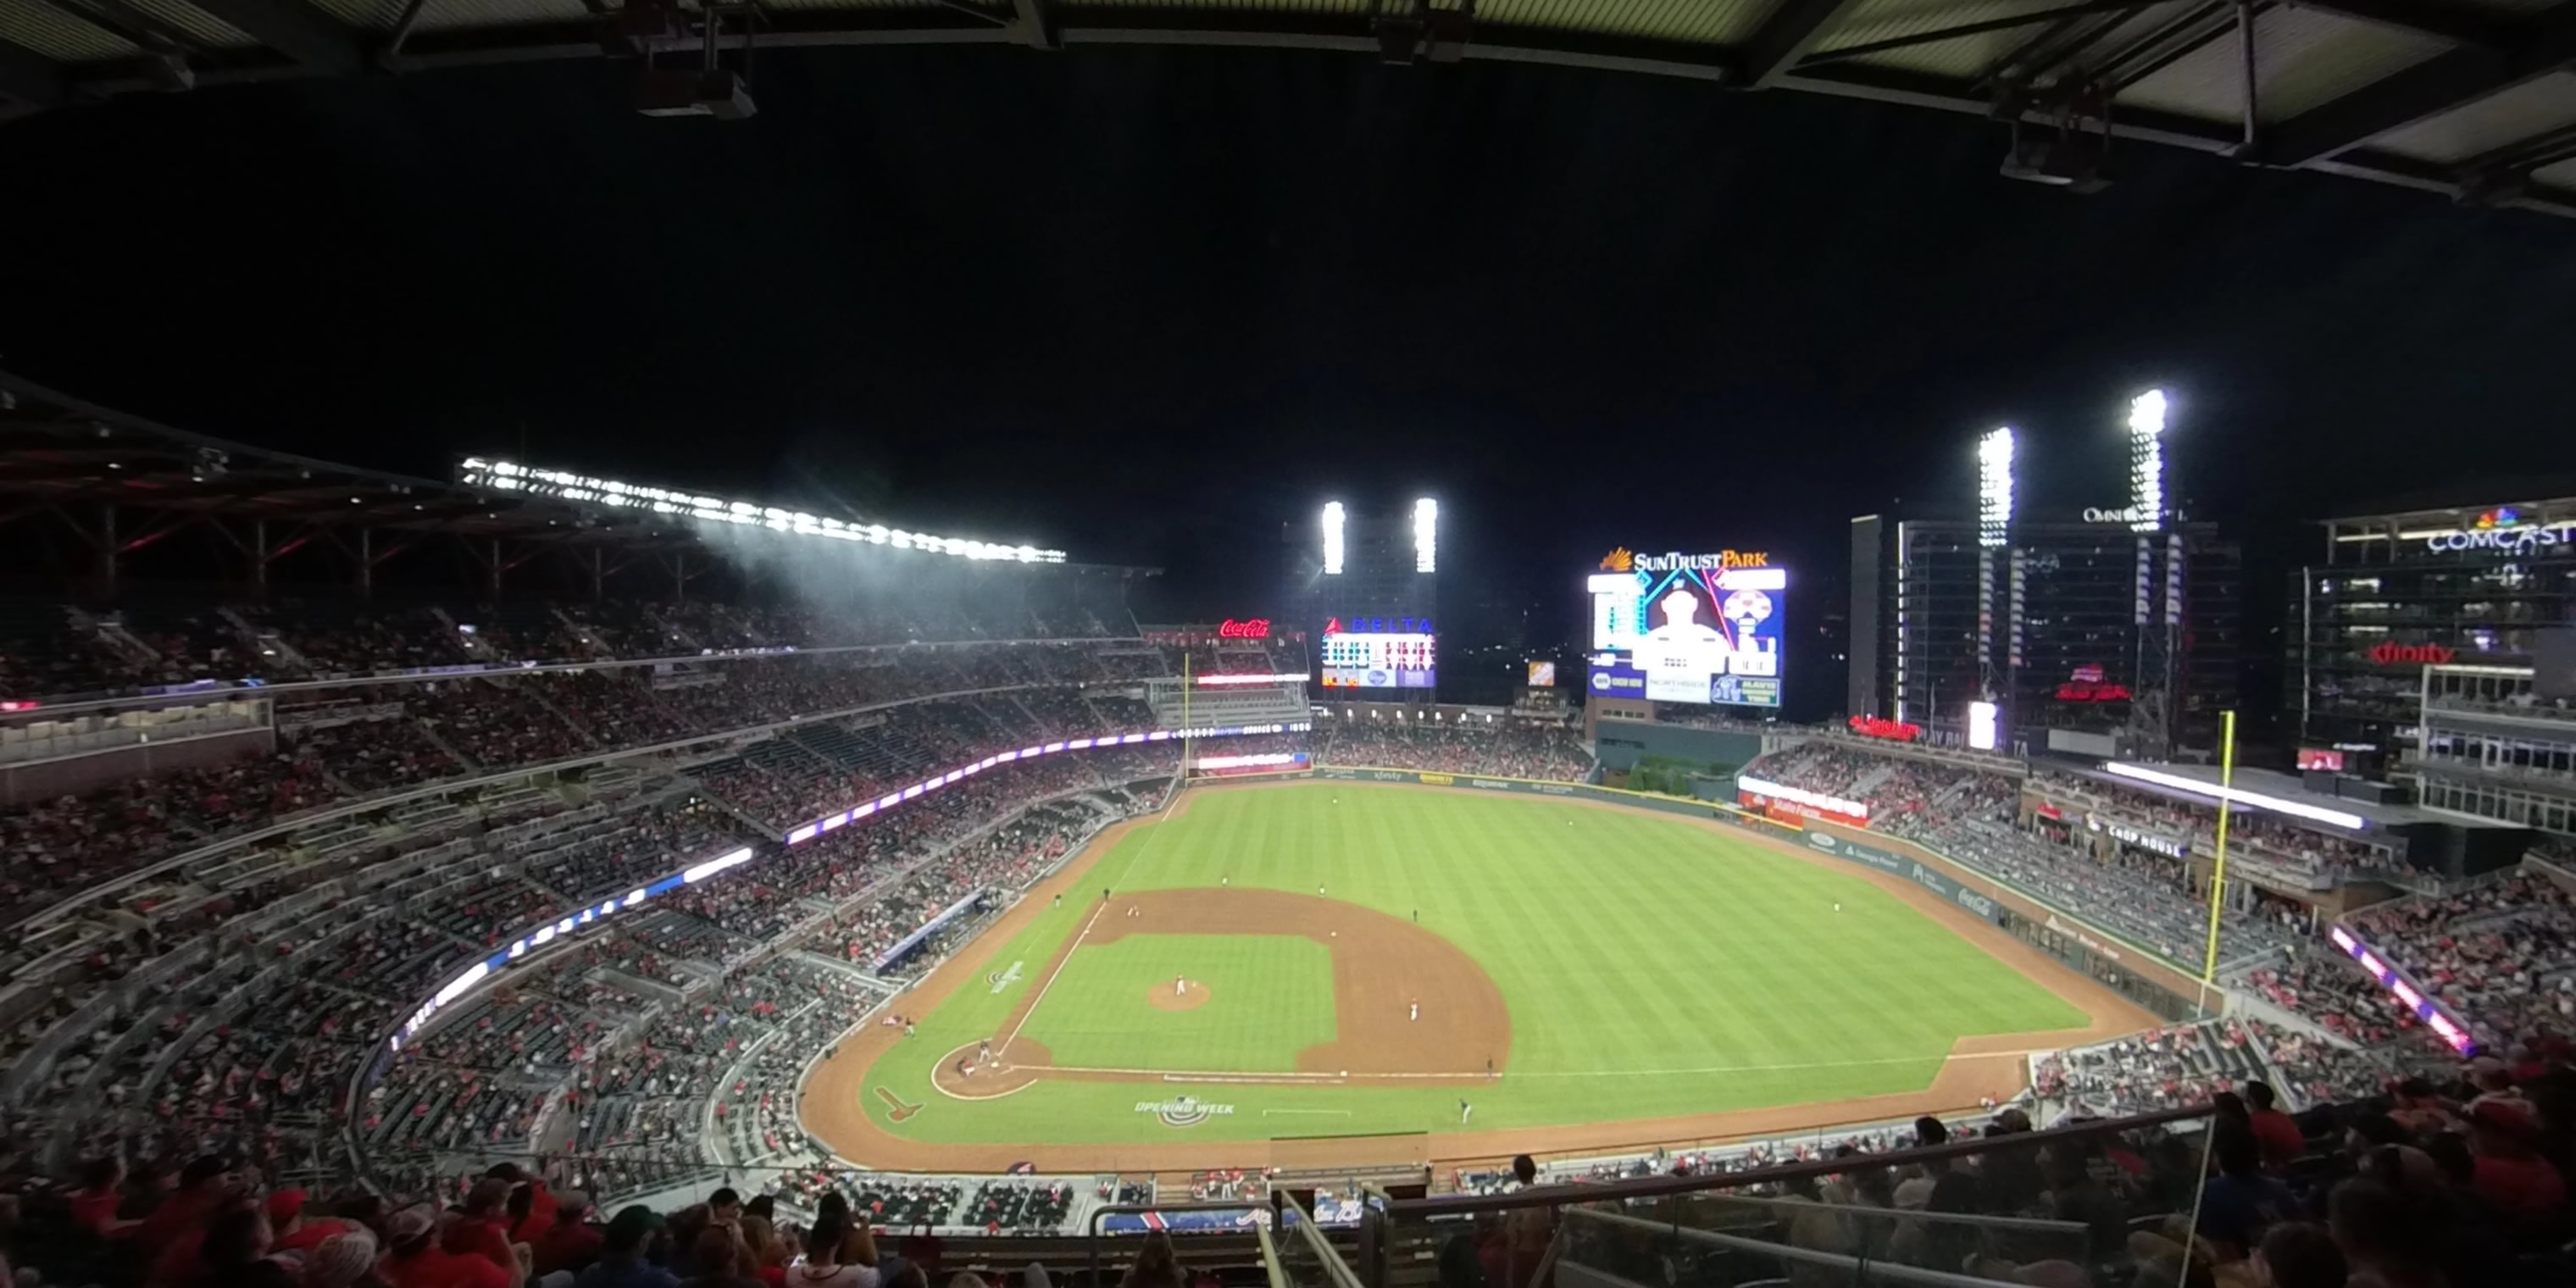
1994 538
2156 611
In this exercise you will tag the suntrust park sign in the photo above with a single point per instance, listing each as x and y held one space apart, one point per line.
1621 560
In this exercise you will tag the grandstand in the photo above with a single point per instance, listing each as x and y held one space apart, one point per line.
333 888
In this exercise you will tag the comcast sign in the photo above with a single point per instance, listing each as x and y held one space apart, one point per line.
2502 531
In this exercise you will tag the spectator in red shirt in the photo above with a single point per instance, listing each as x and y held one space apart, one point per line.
172 1234
292 1231
541 1204
2510 1171
416 1260
102 1191
572 1242
2279 1136
482 1228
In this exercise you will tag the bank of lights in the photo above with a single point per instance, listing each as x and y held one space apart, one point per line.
509 476
1332 538
1426 535
2147 462
2237 795
1994 486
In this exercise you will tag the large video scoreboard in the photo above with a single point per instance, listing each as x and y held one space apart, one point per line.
1379 653
1702 629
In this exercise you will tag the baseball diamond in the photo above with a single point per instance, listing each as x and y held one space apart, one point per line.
1588 975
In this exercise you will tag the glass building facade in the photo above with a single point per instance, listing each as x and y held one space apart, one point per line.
2393 594
2061 624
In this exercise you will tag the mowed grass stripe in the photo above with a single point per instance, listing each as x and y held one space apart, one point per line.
1677 964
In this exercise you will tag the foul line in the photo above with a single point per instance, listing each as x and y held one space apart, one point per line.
1085 933
1060 964
1214 1075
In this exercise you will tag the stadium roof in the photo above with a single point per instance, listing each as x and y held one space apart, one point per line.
2474 99
58 452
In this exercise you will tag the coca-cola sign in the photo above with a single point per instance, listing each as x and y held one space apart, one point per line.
1255 628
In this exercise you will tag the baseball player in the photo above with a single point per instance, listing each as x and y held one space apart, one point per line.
1417 1010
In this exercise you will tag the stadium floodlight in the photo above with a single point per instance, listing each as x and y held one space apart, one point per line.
1994 486
563 485
2237 795
1426 535
1981 726
2147 462
1332 538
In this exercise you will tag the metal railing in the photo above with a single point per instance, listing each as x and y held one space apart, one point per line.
1877 1271
1325 1254
1092 1232
1449 1205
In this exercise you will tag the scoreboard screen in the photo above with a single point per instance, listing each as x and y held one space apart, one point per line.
1379 653
1702 629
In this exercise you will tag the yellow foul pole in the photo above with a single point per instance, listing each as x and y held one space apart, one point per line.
2218 873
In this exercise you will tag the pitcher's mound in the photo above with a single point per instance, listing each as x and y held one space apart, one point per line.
1191 996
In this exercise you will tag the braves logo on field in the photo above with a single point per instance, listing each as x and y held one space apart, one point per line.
1187 1111
1002 979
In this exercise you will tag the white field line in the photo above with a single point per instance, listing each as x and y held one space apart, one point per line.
1005 1048
1084 933
1169 1075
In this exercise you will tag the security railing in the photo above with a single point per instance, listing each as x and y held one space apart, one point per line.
2088 1200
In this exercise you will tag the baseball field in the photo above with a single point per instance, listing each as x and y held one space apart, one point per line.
1447 973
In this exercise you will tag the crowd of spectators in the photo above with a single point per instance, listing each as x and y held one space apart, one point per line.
51 650
1970 816
2501 954
2172 1067
342 746
1503 748
244 1021
2270 837
1901 793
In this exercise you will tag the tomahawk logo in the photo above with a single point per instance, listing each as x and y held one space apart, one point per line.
1002 979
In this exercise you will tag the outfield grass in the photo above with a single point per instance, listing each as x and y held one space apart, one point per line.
1651 967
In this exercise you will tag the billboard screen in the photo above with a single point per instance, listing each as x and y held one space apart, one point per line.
1379 653
1542 675
1703 629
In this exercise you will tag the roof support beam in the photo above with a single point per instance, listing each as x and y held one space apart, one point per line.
30 78
2427 89
1034 20
294 29
1790 34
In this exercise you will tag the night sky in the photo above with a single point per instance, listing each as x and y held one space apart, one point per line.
1147 304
